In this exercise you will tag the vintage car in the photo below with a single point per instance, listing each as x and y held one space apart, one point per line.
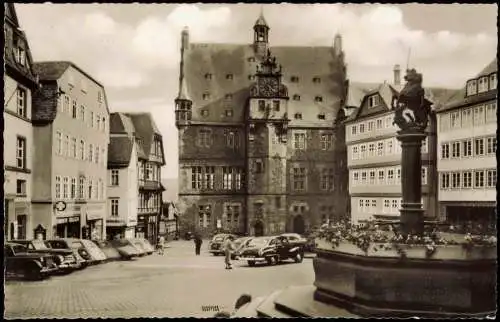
80 254
65 259
126 249
86 249
272 250
107 248
215 245
19 262
146 245
240 244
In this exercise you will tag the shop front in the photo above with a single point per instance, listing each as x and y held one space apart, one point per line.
67 227
147 227
94 223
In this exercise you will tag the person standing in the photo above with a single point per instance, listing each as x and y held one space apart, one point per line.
228 248
161 245
197 243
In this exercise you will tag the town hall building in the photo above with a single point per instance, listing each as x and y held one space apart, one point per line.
261 140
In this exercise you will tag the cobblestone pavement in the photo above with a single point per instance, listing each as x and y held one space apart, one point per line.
174 285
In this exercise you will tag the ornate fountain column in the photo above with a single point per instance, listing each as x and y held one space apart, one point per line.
412 114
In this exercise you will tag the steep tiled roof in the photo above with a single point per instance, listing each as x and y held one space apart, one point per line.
119 151
121 123
357 92
491 68
261 21
145 128
220 60
51 70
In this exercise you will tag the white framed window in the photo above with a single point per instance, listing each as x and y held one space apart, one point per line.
196 177
482 84
82 113
381 176
491 112
115 178
394 205
455 120
21 101
21 187
467 179
299 141
371 149
326 141
20 55
380 148
467 117
372 177
65 188
373 101
204 138
73 188
479 179
227 178
387 206
91 153
389 147
455 180
479 117
114 207
362 151
363 177
467 148
398 175
479 147
21 152
425 143
390 176
73 148
361 205
424 175
491 179
455 150
354 129
374 205
82 150
355 178
493 81
445 180
66 151
380 124
445 150
81 187
299 179
59 143
209 180
204 215
371 126
355 152
388 122
471 87
239 176
362 128
90 189
65 106
326 179
491 145
367 205
58 187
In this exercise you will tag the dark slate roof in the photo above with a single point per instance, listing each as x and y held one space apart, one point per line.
145 128
53 70
120 151
120 123
458 98
261 21
220 60
13 68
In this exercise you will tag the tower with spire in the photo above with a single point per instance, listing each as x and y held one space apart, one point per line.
261 36
183 102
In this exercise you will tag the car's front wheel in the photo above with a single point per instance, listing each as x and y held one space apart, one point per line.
273 260
298 258
251 263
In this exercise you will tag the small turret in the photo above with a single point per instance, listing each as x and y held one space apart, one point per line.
337 45
261 36
185 38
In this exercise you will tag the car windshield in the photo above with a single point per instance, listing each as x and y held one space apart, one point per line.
39 245
257 242
120 242
218 238
19 249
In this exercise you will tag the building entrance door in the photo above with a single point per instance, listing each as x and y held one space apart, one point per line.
258 229
298 224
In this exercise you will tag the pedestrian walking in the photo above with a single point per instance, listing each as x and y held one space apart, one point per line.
197 243
228 249
161 245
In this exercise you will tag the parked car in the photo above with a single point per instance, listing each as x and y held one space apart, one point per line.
107 248
19 262
84 247
65 259
95 252
81 255
215 245
126 249
240 244
140 250
146 245
273 250
294 237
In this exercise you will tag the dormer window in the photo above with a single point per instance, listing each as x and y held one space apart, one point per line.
298 116
229 97
296 97
294 79
251 77
204 113
229 76
373 101
251 59
482 84
206 96
318 99
208 76
493 81
321 116
471 87
21 56
316 80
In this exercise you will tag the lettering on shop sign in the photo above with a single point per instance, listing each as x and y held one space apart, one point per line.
210 308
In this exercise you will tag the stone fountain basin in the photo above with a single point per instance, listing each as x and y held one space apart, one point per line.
453 282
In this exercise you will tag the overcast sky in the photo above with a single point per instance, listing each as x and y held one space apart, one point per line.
133 49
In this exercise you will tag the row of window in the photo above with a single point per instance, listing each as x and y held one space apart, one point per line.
67 146
468 117
482 84
469 147
68 188
372 125
148 171
468 179
228 97
94 120
204 178
230 216
300 142
149 202
293 79
382 176
380 148
389 206
205 138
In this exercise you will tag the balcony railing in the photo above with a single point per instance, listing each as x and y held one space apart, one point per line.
149 184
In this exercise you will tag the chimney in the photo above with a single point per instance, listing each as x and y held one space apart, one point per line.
397 75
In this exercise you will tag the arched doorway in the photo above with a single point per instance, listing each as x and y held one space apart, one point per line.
258 229
298 225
